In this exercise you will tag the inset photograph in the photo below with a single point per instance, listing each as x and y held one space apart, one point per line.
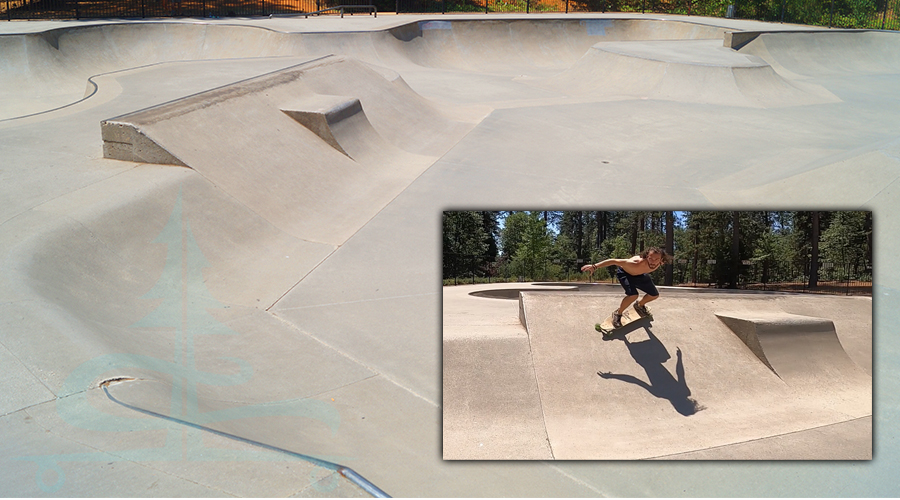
657 335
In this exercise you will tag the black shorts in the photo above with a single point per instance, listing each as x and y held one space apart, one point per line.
633 283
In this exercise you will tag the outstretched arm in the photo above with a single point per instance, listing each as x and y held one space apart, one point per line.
626 378
604 263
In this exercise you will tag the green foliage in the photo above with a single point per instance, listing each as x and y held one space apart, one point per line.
617 247
735 249
521 6
844 245
839 13
596 5
534 246
513 232
563 249
465 241
456 6
464 233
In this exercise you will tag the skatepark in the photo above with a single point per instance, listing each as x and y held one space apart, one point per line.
232 226
685 385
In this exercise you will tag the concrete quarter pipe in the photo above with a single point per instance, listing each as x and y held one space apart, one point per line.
229 264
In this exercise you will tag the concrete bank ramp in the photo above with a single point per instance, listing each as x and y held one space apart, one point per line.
52 69
828 53
57 65
163 279
801 350
679 383
698 71
517 45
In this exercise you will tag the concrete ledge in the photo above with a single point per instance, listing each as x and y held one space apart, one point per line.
124 141
737 39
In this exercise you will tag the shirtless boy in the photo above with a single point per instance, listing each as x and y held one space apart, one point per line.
634 275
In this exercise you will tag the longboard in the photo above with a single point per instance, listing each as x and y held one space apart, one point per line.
630 316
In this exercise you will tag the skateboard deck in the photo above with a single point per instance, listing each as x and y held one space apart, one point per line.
630 316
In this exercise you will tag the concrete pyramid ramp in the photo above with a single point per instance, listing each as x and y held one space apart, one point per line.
298 138
674 385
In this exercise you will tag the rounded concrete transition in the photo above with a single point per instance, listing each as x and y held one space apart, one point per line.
237 221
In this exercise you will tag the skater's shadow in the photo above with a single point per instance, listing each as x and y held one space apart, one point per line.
651 354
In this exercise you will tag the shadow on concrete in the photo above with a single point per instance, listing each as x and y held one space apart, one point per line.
620 333
651 354
513 293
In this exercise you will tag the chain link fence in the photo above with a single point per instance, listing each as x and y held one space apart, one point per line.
836 279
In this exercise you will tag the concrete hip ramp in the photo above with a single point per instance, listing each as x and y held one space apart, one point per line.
684 382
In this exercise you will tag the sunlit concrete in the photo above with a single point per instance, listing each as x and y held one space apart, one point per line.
711 373
282 291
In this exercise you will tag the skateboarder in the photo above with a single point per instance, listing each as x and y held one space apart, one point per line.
633 274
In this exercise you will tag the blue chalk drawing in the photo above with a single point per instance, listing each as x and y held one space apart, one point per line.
184 308
596 27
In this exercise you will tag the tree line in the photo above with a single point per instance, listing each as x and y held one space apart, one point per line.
727 249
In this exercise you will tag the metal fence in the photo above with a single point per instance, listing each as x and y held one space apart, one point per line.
870 14
89 9
843 279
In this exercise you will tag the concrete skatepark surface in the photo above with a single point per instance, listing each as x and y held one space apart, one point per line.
192 209
683 385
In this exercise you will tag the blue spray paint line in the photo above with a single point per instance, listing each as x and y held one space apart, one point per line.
183 309
347 472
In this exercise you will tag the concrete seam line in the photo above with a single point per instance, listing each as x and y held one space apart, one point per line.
44 202
295 285
832 424
536 383
876 195
577 480
347 472
26 408
392 297
30 372
357 361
